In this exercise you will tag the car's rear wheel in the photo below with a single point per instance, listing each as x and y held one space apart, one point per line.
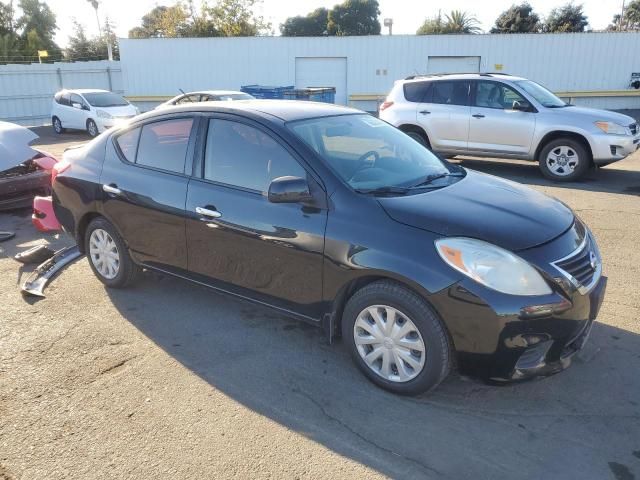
57 125
108 255
92 128
564 160
396 339
419 137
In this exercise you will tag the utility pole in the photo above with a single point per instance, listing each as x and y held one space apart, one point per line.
622 16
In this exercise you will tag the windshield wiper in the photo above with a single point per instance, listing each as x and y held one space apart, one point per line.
435 176
384 190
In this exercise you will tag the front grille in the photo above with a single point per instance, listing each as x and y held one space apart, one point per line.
583 266
634 128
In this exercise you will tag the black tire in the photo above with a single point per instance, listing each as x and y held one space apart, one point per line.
92 128
438 361
128 270
57 125
571 146
421 138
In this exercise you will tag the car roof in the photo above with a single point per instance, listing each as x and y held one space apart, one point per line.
463 76
214 92
286 110
85 90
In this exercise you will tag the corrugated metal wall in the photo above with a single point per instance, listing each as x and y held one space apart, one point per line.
26 91
562 62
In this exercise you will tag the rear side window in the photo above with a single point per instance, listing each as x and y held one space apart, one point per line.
128 144
416 91
243 156
451 93
164 144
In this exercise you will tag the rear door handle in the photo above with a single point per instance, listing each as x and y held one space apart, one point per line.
478 115
112 189
207 212
424 112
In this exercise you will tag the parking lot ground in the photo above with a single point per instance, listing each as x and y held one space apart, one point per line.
171 380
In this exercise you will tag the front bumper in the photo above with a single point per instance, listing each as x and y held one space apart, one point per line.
107 123
611 148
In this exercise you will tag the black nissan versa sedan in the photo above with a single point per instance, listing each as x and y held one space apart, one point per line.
335 217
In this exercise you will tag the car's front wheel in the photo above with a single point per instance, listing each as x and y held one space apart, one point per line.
92 128
564 160
108 255
396 338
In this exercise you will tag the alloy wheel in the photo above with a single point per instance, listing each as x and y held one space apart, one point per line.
57 126
104 253
93 129
389 343
562 160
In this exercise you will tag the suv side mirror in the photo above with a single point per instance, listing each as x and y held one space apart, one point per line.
289 190
521 106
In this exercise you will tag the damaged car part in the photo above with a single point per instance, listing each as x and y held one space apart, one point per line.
37 254
37 280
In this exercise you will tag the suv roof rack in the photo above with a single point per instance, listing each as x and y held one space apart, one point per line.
429 75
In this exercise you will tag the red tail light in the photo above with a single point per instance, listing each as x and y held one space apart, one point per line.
385 105
59 168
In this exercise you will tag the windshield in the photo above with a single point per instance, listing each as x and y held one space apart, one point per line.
369 154
234 96
541 94
105 99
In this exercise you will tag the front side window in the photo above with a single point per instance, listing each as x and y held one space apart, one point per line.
497 95
451 93
105 99
243 156
541 94
164 144
75 98
367 153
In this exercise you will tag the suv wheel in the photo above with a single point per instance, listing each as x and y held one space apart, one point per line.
564 160
57 125
108 255
92 128
396 339
419 137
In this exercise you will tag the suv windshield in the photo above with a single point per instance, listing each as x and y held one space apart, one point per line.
541 94
105 99
371 155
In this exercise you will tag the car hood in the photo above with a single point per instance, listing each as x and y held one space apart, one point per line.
595 115
124 111
485 207
14 145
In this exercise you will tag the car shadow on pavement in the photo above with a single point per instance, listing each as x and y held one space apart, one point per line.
582 423
606 179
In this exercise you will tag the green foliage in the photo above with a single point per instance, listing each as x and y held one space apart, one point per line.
517 19
312 25
567 18
631 19
81 47
454 22
235 18
354 17
163 22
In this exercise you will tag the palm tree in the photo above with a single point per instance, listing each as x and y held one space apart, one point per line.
461 22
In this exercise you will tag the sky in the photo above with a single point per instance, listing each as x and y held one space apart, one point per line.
407 14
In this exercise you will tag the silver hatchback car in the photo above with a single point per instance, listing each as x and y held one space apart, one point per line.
499 115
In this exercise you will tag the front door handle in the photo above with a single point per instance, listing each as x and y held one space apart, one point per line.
478 115
424 112
207 212
112 189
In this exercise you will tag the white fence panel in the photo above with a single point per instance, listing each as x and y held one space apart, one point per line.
26 91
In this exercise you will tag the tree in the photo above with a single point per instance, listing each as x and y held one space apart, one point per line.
454 22
235 18
630 20
517 19
38 26
312 25
568 18
354 17
79 47
162 22
6 19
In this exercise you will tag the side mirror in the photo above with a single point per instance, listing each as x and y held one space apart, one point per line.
77 105
521 106
289 190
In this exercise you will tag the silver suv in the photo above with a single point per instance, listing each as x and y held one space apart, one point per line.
499 115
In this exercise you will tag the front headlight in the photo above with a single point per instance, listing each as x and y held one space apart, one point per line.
103 114
492 266
612 128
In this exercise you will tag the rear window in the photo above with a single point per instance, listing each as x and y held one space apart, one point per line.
164 144
416 91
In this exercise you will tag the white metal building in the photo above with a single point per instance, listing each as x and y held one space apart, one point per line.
591 69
